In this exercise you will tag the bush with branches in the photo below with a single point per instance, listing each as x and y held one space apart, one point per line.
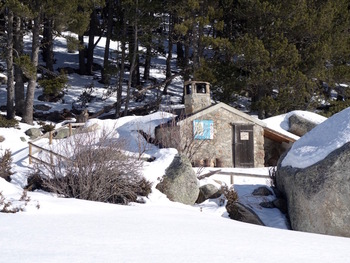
14 206
93 166
182 138
53 85
5 123
5 165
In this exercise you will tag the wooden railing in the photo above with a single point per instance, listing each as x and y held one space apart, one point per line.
232 174
33 148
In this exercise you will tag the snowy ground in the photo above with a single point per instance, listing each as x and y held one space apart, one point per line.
54 229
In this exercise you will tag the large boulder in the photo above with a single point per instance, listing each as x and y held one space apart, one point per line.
299 125
318 196
180 183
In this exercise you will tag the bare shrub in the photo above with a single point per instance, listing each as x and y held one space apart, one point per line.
93 166
230 194
14 206
272 175
5 165
181 137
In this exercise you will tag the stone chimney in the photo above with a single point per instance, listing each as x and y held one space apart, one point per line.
196 96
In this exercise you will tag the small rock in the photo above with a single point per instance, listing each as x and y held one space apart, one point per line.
33 133
267 205
262 191
281 204
240 212
42 107
61 134
208 191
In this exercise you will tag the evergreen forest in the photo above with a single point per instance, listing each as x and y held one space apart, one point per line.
284 55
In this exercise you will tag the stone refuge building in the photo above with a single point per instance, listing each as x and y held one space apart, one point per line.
219 135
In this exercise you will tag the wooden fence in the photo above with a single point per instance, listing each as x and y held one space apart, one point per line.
232 174
33 148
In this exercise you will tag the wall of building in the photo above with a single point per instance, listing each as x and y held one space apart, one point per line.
218 151
274 150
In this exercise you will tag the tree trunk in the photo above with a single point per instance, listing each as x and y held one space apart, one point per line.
118 104
19 84
47 44
121 78
133 63
90 49
136 80
9 61
186 74
148 61
170 56
82 50
105 78
180 53
29 102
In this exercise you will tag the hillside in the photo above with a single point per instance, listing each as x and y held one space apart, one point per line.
53 229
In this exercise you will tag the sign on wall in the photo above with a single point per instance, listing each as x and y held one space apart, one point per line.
203 129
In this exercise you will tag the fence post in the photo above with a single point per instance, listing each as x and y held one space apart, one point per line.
231 178
30 153
50 137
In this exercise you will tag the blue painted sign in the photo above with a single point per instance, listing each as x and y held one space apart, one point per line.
203 129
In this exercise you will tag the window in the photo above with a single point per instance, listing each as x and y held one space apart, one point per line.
203 129
188 89
201 88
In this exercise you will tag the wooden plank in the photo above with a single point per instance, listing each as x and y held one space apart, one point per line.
246 175
276 136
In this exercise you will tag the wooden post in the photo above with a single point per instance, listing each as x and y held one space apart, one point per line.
231 178
30 153
70 129
50 137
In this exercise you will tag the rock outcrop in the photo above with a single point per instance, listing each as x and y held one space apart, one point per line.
299 125
318 196
180 183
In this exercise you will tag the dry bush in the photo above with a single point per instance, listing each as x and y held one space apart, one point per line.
14 206
272 175
93 166
230 194
5 165
171 135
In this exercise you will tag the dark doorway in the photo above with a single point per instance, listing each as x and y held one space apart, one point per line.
243 145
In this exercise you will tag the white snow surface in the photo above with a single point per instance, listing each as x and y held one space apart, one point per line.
320 141
52 229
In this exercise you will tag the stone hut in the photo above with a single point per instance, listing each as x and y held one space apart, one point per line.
216 135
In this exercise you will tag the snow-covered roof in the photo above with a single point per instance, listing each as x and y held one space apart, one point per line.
280 123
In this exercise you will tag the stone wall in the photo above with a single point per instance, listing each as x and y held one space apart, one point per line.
274 150
218 151
196 102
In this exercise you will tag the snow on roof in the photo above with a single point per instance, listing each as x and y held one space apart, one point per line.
320 141
280 123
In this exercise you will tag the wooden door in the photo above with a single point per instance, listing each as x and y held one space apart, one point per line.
243 145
